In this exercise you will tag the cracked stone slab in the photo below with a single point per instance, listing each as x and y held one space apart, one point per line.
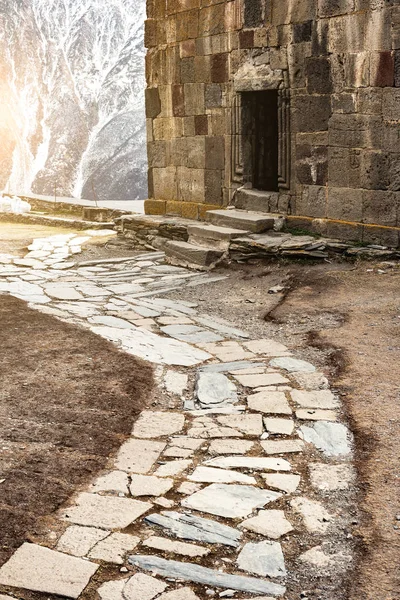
112 590
188 488
227 367
40 569
330 478
282 446
192 334
315 516
142 586
62 292
292 365
311 381
114 547
267 347
247 424
258 463
204 575
175 383
230 447
333 439
269 403
316 414
231 501
149 485
183 447
78 541
261 380
315 399
271 523
262 558
138 456
153 424
104 512
215 388
229 352
190 527
170 546
212 475
282 481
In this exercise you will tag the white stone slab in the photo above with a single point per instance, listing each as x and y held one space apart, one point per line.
174 547
293 365
78 541
265 379
258 463
311 381
153 424
229 352
333 439
152 347
143 587
316 414
175 383
138 456
269 402
114 548
281 481
267 347
149 485
330 478
271 523
40 569
215 388
211 475
173 468
112 590
279 426
282 446
231 501
247 424
115 481
105 512
315 399
230 446
180 594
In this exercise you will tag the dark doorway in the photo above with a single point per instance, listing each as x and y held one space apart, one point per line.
260 132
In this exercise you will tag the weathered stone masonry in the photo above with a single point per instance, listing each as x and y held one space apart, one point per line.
332 68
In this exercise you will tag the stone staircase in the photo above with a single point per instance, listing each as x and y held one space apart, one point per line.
208 243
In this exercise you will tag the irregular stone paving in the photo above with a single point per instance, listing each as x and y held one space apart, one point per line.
231 493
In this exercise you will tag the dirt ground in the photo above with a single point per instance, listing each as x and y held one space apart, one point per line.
345 318
68 400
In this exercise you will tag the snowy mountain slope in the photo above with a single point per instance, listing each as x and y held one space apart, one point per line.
72 98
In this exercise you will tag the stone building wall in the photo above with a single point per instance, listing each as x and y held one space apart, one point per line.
334 66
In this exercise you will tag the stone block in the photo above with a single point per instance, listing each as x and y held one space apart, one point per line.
344 204
194 98
219 68
369 101
253 13
201 125
212 19
190 210
355 131
384 236
246 39
302 32
187 48
213 186
215 152
344 231
187 70
158 153
177 155
150 33
165 183
376 170
202 69
190 185
332 8
382 69
204 208
312 164
187 25
391 104
344 103
348 33
292 11
379 207
357 69
173 207
153 103
311 113
195 152
344 167
311 201
213 96
154 207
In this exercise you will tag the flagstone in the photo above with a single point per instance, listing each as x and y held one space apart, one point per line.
262 558
292 365
282 446
190 527
316 414
142 587
279 426
264 379
171 546
269 402
114 547
282 481
271 523
149 485
229 446
247 424
249 462
315 399
204 575
112 590
114 481
138 456
180 594
213 475
173 468
215 388
329 478
231 501
152 424
333 439
78 541
104 512
315 516
175 383
40 569
267 347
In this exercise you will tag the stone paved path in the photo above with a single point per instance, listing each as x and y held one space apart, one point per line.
234 494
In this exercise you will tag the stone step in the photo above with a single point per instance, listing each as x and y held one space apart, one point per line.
186 254
212 236
254 222
256 200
